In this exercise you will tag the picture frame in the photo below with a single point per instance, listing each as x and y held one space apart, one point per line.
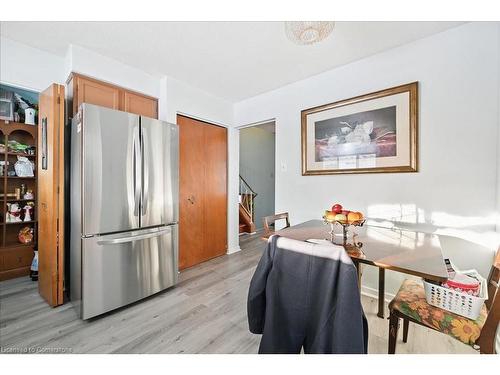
371 133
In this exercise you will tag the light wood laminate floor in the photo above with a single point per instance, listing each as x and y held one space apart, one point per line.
204 313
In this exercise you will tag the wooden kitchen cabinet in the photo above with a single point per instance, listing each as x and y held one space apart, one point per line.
87 90
140 104
82 89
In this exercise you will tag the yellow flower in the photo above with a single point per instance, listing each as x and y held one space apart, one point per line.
464 330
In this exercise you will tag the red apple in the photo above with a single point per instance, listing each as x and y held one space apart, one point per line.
337 208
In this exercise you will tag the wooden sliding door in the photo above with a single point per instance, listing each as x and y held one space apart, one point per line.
202 191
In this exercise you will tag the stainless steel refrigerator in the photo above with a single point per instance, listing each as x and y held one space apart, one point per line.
124 208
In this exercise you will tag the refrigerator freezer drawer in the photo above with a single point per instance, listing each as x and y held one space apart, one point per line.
122 268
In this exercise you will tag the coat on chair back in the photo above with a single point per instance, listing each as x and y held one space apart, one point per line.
306 296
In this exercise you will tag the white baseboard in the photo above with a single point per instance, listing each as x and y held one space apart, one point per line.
373 293
233 250
246 233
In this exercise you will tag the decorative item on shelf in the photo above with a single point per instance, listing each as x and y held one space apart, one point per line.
29 116
31 150
25 235
29 194
344 218
15 146
23 189
6 105
23 167
18 193
25 109
2 148
17 118
28 211
3 167
13 214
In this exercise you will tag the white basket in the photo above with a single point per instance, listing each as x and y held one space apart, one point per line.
457 302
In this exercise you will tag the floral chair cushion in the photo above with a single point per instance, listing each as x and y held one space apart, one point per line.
410 301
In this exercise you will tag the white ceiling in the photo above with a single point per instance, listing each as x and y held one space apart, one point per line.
233 60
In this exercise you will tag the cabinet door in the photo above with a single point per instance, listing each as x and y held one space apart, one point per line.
191 192
94 92
215 210
50 199
202 191
140 104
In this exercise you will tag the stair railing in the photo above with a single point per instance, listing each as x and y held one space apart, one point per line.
247 197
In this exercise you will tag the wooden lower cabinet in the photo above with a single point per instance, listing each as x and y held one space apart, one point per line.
202 191
15 261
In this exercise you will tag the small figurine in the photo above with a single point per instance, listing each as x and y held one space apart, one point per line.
34 267
25 235
27 212
13 214
29 194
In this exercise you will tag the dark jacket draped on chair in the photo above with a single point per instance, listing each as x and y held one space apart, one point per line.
305 295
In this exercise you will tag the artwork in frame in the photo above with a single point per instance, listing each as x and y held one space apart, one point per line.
372 133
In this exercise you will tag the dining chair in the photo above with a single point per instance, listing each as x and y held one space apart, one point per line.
411 306
270 224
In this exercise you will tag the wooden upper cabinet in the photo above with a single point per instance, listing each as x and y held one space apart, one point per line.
94 92
140 104
88 90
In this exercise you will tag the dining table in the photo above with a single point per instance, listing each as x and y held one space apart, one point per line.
396 249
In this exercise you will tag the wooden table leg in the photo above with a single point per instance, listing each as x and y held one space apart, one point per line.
381 292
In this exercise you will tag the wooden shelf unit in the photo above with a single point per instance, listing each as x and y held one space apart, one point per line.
15 257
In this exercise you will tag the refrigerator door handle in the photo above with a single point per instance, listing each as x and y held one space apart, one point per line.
145 171
135 238
137 172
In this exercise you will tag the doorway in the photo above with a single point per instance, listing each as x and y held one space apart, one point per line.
257 175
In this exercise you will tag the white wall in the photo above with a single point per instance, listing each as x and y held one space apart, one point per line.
27 67
458 117
177 97
84 61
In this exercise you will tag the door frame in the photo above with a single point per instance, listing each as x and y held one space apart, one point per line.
251 125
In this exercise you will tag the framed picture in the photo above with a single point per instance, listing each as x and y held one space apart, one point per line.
372 133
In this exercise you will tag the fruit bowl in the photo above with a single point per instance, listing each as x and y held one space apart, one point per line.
344 219
345 226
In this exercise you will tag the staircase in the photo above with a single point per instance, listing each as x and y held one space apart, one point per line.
246 207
